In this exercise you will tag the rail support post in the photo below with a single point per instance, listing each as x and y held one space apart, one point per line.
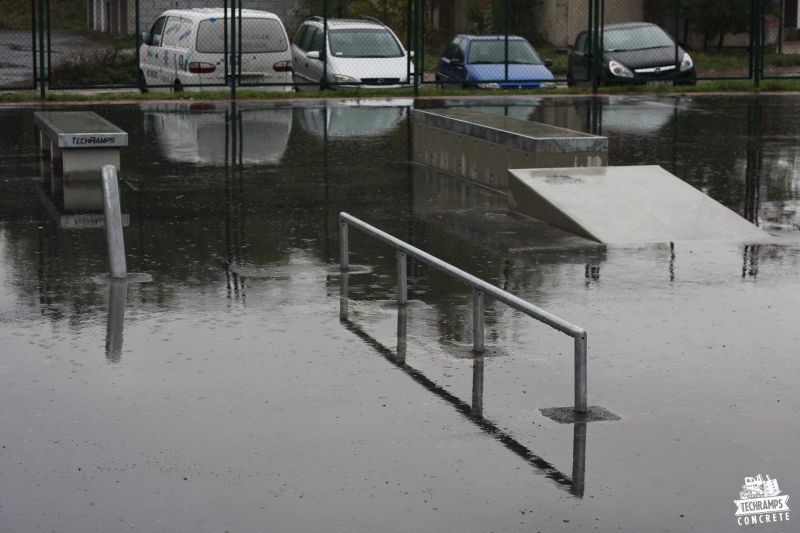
402 278
113 223
477 321
580 373
344 259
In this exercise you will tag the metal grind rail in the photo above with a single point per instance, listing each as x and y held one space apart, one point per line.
480 288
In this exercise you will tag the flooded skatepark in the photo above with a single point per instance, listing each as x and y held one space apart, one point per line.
225 394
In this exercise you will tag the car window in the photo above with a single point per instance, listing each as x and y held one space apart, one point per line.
308 36
581 43
494 51
156 31
450 51
364 42
636 38
460 52
258 35
171 31
301 33
317 41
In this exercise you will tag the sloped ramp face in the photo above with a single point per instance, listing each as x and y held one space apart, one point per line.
626 205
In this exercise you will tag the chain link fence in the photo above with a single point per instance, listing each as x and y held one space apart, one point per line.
287 45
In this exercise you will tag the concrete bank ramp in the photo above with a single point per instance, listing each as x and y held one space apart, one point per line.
626 205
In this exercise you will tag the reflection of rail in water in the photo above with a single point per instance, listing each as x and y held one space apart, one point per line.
574 485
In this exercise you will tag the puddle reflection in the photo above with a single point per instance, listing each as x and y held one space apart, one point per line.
217 135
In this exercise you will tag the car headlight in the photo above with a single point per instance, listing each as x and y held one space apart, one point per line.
489 85
686 62
341 78
618 69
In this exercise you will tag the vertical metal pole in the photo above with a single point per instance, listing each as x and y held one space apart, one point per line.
505 43
226 44
239 48
41 50
113 213
596 52
759 42
419 54
33 41
477 321
234 51
323 53
580 374
402 278
49 42
138 30
344 259
409 37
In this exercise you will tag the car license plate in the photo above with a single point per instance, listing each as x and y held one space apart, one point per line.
659 83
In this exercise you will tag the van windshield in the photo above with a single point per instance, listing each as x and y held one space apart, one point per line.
258 35
363 42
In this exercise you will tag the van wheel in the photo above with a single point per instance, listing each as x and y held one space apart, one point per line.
177 87
142 83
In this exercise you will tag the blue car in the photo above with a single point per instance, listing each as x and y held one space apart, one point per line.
478 62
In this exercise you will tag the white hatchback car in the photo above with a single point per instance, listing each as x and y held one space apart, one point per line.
358 53
185 48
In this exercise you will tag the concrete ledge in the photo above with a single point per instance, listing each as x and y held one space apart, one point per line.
482 147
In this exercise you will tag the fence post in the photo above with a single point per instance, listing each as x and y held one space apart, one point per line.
234 50
758 15
113 223
505 43
478 321
33 43
138 29
41 50
580 373
596 51
323 83
419 55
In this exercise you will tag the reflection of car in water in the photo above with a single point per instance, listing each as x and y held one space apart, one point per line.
371 120
640 116
198 133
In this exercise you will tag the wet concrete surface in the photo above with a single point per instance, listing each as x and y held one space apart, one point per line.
229 396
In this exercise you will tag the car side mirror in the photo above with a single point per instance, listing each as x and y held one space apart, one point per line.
548 63
147 38
456 63
314 54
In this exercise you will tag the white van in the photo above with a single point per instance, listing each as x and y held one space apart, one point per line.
185 48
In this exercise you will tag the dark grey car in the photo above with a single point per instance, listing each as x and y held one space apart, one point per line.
633 52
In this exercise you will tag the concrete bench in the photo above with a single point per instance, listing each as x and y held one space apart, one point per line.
79 141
